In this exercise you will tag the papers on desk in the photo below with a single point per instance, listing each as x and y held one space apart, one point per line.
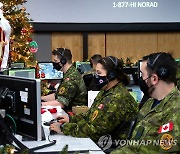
47 115
91 96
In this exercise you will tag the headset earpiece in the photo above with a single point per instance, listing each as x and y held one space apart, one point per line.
161 71
111 74
63 60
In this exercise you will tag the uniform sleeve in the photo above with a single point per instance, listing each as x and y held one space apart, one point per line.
76 118
167 141
99 121
66 92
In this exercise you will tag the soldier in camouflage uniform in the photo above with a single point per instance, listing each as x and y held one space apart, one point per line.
157 128
178 76
72 90
112 110
88 77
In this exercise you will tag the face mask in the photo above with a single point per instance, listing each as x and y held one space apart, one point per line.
143 86
57 66
100 81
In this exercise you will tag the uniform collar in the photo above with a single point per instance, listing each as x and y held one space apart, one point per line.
104 93
160 106
71 69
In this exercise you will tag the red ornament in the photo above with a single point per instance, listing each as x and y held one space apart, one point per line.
38 75
29 39
42 75
23 31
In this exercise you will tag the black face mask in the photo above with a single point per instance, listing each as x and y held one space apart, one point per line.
100 81
57 66
143 86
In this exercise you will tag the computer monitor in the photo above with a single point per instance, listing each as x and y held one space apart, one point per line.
177 61
47 71
24 72
132 72
21 99
83 67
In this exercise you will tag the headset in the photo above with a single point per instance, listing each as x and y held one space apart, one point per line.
63 60
161 71
111 74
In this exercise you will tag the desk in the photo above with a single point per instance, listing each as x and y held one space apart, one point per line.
83 145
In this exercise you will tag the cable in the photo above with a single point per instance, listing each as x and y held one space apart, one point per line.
43 146
15 126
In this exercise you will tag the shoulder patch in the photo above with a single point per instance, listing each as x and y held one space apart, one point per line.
95 114
166 141
166 128
101 106
62 90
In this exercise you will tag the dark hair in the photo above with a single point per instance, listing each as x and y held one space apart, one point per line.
159 60
115 66
95 58
63 52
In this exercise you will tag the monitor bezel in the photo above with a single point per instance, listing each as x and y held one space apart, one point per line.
37 120
18 63
23 69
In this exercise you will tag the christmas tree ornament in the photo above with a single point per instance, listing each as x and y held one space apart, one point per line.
33 46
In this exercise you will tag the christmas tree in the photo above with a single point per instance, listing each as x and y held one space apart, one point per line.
21 46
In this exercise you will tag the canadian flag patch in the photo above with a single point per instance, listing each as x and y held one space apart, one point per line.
166 128
101 106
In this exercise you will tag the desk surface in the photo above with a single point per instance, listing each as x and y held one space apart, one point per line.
74 144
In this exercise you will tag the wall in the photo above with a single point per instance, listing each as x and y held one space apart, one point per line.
120 44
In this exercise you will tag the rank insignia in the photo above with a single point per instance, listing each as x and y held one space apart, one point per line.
95 114
62 90
166 141
101 106
165 128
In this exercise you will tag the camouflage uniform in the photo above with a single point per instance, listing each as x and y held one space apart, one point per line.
178 76
72 90
110 110
149 122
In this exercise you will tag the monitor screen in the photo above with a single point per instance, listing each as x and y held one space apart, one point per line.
47 71
21 99
17 65
177 60
83 67
24 72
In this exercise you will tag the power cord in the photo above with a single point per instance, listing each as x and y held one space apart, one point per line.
52 142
